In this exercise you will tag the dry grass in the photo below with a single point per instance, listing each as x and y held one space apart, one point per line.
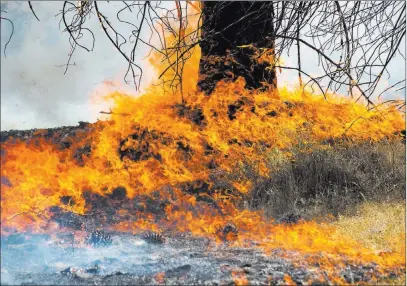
401 280
378 226
331 181
362 187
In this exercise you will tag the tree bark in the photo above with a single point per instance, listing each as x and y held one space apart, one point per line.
225 27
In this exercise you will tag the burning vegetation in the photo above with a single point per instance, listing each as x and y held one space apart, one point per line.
164 168
168 168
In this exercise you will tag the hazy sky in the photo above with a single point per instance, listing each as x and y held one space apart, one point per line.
34 90
35 93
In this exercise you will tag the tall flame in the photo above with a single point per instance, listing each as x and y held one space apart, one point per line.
154 144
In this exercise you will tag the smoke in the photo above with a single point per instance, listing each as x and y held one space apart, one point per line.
41 255
35 93
33 259
34 90
6 278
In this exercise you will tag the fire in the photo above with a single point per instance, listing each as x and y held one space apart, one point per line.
155 147
288 280
159 277
239 278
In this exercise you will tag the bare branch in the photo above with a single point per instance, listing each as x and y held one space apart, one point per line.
11 34
32 10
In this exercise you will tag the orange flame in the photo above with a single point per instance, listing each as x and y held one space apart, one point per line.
239 278
159 277
152 143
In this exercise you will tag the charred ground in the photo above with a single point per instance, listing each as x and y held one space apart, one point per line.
329 181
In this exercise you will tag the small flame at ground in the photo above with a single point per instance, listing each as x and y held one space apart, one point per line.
155 146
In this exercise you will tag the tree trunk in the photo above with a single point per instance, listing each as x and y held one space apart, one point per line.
225 27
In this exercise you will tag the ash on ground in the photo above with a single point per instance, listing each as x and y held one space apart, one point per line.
131 260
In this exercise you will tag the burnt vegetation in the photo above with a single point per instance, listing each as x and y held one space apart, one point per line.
98 238
153 238
355 43
229 232
325 181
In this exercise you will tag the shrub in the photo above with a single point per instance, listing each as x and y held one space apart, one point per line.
330 180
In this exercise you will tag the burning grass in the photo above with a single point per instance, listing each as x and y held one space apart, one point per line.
165 172
210 167
145 151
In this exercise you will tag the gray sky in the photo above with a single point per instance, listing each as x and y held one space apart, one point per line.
35 93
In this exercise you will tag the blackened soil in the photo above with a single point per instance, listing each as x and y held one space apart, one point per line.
129 260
